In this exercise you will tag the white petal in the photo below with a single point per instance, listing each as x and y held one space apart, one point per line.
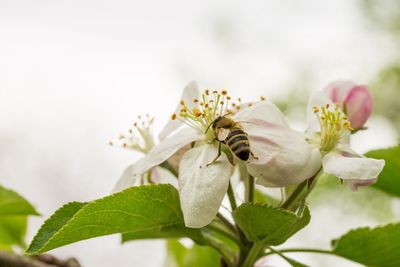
317 99
160 153
190 92
202 187
284 157
163 176
355 168
126 180
355 184
264 111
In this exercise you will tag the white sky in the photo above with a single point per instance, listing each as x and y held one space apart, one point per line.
73 74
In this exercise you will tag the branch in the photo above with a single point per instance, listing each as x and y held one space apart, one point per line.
8 259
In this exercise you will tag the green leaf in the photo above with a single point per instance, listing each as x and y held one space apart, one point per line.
197 256
378 247
269 225
200 256
389 179
171 231
176 253
14 211
139 210
11 203
12 231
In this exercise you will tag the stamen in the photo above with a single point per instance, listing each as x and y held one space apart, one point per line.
205 110
139 138
334 125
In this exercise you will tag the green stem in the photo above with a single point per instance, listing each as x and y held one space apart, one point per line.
217 247
226 234
231 196
253 255
250 189
293 250
226 222
301 192
294 196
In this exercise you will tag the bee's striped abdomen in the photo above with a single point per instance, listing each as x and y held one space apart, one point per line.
238 141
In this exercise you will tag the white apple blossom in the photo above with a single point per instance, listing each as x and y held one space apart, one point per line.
329 130
280 154
140 139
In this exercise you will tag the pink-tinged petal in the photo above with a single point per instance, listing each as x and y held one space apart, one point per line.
263 111
355 184
190 92
358 106
348 166
317 99
284 157
338 91
201 187
160 153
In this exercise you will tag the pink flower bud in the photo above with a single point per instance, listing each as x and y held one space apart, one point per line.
354 100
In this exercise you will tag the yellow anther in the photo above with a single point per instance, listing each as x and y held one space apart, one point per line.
195 100
182 103
173 117
224 92
262 98
315 109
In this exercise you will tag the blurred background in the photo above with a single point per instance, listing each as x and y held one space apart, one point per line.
74 74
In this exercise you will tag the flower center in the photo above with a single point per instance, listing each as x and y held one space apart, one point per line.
334 126
140 136
201 113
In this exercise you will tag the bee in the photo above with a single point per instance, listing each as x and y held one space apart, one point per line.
230 133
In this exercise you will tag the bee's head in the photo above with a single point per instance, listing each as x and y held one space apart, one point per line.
216 122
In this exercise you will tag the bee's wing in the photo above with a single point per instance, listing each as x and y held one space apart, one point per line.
244 122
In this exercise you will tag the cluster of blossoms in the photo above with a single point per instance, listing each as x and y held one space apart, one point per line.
280 157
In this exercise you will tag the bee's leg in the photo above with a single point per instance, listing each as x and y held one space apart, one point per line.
219 154
252 154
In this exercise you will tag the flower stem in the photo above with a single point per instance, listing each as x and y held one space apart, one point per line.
250 189
226 234
226 222
294 196
253 255
231 196
301 192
